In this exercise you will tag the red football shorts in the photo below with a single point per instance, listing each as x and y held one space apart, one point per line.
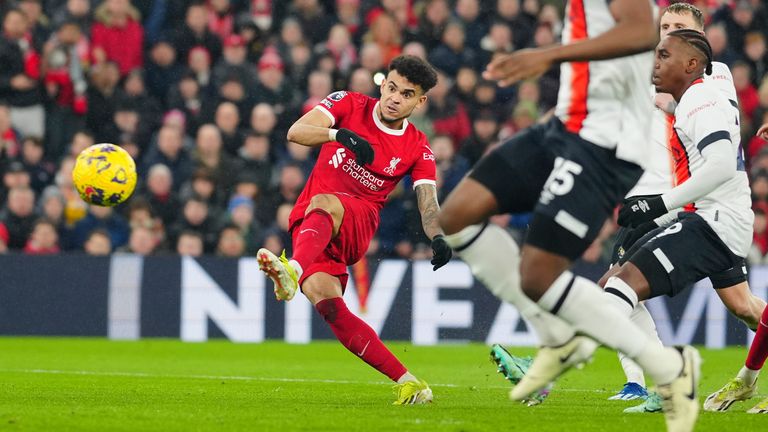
358 226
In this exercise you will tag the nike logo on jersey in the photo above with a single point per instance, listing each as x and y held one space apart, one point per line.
361 353
308 229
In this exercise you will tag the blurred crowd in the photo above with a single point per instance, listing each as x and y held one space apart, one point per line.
201 94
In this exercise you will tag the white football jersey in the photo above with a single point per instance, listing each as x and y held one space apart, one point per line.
659 161
660 175
605 102
702 117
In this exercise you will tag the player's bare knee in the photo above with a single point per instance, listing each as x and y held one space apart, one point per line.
539 269
611 272
531 285
315 292
321 286
632 276
535 277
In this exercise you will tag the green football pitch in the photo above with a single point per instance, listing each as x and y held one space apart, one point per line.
162 385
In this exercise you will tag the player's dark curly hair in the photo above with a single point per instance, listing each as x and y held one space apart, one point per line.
415 70
699 42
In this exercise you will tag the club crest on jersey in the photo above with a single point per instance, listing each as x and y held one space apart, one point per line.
338 157
392 166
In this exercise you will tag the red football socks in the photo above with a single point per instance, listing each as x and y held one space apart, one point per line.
359 338
314 235
758 351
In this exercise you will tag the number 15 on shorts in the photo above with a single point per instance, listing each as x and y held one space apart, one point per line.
560 180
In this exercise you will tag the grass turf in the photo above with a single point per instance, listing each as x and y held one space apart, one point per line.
95 384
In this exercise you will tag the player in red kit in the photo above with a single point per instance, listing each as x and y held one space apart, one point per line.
368 146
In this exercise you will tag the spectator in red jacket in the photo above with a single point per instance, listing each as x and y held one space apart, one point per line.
341 46
348 13
117 35
745 90
44 239
760 140
65 60
3 239
448 114
221 19
20 74
10 138
386 33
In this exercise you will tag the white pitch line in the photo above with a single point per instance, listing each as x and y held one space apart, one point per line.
206 377
249 378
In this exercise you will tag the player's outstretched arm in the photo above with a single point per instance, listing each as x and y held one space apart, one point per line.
634 32
312 129
426 195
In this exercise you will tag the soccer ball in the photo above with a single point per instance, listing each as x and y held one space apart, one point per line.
104 175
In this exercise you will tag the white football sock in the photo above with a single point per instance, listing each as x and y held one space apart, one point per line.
632 370
624 299
620 295
582 303
748 375
494 258
642 318
407 377
296 266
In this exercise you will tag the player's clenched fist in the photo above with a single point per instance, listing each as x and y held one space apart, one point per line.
637 211
763 132
637 233
360 147
441 252
511 68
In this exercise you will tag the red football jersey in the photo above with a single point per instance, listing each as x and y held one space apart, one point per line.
397 153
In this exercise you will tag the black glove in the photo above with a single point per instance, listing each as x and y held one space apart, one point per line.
360 147
636 234
441 252
639 210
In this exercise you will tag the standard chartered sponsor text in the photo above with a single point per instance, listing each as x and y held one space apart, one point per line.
362 175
